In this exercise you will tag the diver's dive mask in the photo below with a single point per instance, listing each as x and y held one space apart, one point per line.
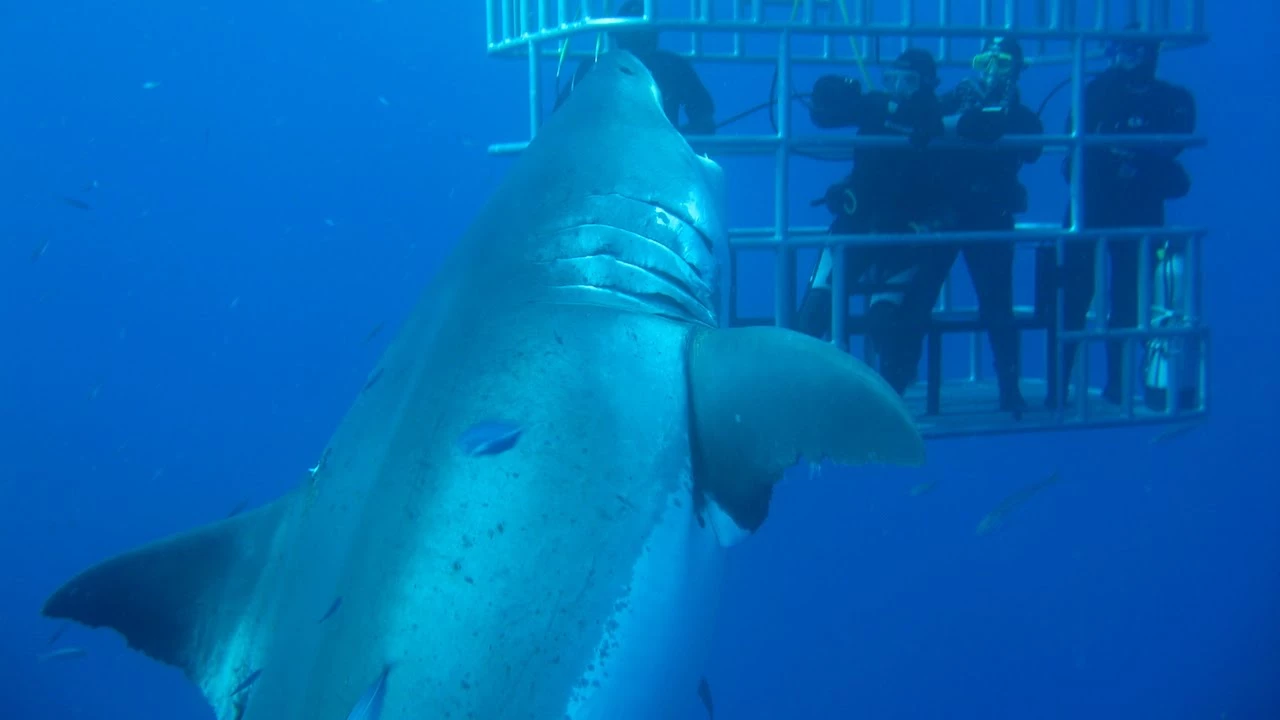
1127 55
900 82
994 62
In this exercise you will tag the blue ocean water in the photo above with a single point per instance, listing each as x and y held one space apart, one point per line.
267 184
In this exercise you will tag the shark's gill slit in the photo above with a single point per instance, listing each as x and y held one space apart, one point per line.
674 252
675 281
672 211
657 303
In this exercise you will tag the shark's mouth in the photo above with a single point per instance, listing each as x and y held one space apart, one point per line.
635 253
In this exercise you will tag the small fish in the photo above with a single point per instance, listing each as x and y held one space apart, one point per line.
373 333
40 250
337 603
151 85
491 437
994 520
238 508
58 633
75 203
704 694
373 379
923 488
66 653
245 683
383 101
1174 433
369 706
328 221
93 185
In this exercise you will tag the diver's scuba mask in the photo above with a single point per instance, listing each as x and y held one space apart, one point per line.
1127 55
900 82
993 63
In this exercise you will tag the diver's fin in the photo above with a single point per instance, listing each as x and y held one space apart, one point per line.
180 599
761 398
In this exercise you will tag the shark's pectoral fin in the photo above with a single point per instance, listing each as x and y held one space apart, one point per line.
181 599
762 398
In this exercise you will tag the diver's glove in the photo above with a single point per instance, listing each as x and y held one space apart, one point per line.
924 119
982 125
839 199
1157 174
968 95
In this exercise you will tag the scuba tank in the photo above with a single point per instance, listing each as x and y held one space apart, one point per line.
1169 360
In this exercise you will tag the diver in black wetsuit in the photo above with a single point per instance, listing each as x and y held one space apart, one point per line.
1123 187
891 190
674 74
984 193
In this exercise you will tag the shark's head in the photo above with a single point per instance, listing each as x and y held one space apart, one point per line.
622 211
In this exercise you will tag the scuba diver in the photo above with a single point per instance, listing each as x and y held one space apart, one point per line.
985 194
674 74
1123 187
891 190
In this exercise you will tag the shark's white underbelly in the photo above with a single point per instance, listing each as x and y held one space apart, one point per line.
654 643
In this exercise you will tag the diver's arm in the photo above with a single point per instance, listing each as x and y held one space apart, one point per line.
1178 118
1160 175
921 116
1184 111
699 106
1170 182
951 104
1157 167
953 101
974 120
983 125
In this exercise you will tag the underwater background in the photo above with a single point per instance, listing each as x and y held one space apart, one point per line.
260 187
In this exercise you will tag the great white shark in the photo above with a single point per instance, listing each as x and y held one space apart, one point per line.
575 575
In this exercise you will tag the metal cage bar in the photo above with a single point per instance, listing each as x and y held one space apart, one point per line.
784 276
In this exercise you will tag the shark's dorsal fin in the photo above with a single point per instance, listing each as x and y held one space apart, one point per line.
180 599
762 398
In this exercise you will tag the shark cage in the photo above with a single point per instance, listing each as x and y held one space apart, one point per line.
775 44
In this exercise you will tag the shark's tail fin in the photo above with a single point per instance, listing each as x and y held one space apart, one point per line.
762 398
181 600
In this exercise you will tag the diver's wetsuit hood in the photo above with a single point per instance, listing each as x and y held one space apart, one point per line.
1134 62
645 41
